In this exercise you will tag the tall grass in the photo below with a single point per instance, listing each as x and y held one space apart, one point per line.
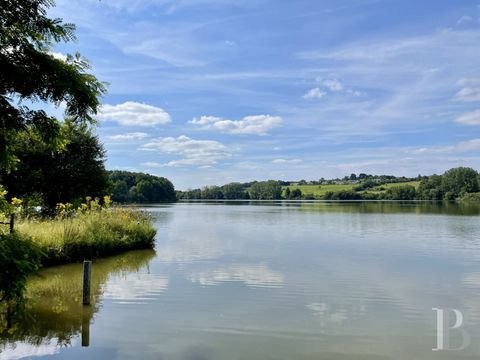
90 232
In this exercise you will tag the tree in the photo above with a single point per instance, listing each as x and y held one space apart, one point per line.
459 181
400 192
28 71
138 187
453 184
67 175
234 191
430 188
266 190
212 193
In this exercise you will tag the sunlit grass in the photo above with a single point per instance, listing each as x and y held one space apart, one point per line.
89 234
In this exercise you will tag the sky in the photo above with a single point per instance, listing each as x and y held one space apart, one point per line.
206 92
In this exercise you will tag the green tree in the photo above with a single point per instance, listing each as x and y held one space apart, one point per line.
138 187
266 190
28 71
459 181
401 192
67 175
212 193
430 188
234 191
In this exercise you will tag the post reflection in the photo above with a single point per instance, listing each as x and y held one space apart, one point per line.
54 314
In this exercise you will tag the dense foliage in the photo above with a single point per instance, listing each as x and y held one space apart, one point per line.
454 183
257 190
19 257
46 177
29 71
131 187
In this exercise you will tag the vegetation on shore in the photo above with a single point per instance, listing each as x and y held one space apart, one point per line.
134 187
460 184
90 231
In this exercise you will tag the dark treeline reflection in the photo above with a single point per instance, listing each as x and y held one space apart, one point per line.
380 207
54 307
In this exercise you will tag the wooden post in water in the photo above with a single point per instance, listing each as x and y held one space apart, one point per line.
87 277
12 222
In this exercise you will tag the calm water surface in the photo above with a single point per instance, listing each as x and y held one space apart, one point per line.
268 281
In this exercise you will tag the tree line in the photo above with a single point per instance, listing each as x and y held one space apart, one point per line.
455 184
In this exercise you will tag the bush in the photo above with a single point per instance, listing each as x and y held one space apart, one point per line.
19 257
400 192
342 195
470 197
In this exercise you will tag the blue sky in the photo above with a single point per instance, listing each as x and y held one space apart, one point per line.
213 91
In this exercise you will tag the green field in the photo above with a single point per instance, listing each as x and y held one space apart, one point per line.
320 190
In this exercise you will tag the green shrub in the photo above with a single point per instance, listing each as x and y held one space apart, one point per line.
470 198
19 257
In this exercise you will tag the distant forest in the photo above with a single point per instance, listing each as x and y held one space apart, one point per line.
132 187
455 184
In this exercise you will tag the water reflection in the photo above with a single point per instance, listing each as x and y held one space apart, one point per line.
252 275
331 281
366 207
134 288
54 316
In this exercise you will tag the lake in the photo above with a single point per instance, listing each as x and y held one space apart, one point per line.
264 280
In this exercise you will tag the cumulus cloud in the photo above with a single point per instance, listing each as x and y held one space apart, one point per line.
286 161
461 147
315 93
193 152
128 136
253 124
469 118
132 113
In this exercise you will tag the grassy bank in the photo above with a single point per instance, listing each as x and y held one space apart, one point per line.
88 234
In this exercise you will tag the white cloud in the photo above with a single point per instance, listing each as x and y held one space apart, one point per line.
287 161
314 93
469 118
253 124
461 147
470 89
132 113
468 94
193 152
333 85
128 136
